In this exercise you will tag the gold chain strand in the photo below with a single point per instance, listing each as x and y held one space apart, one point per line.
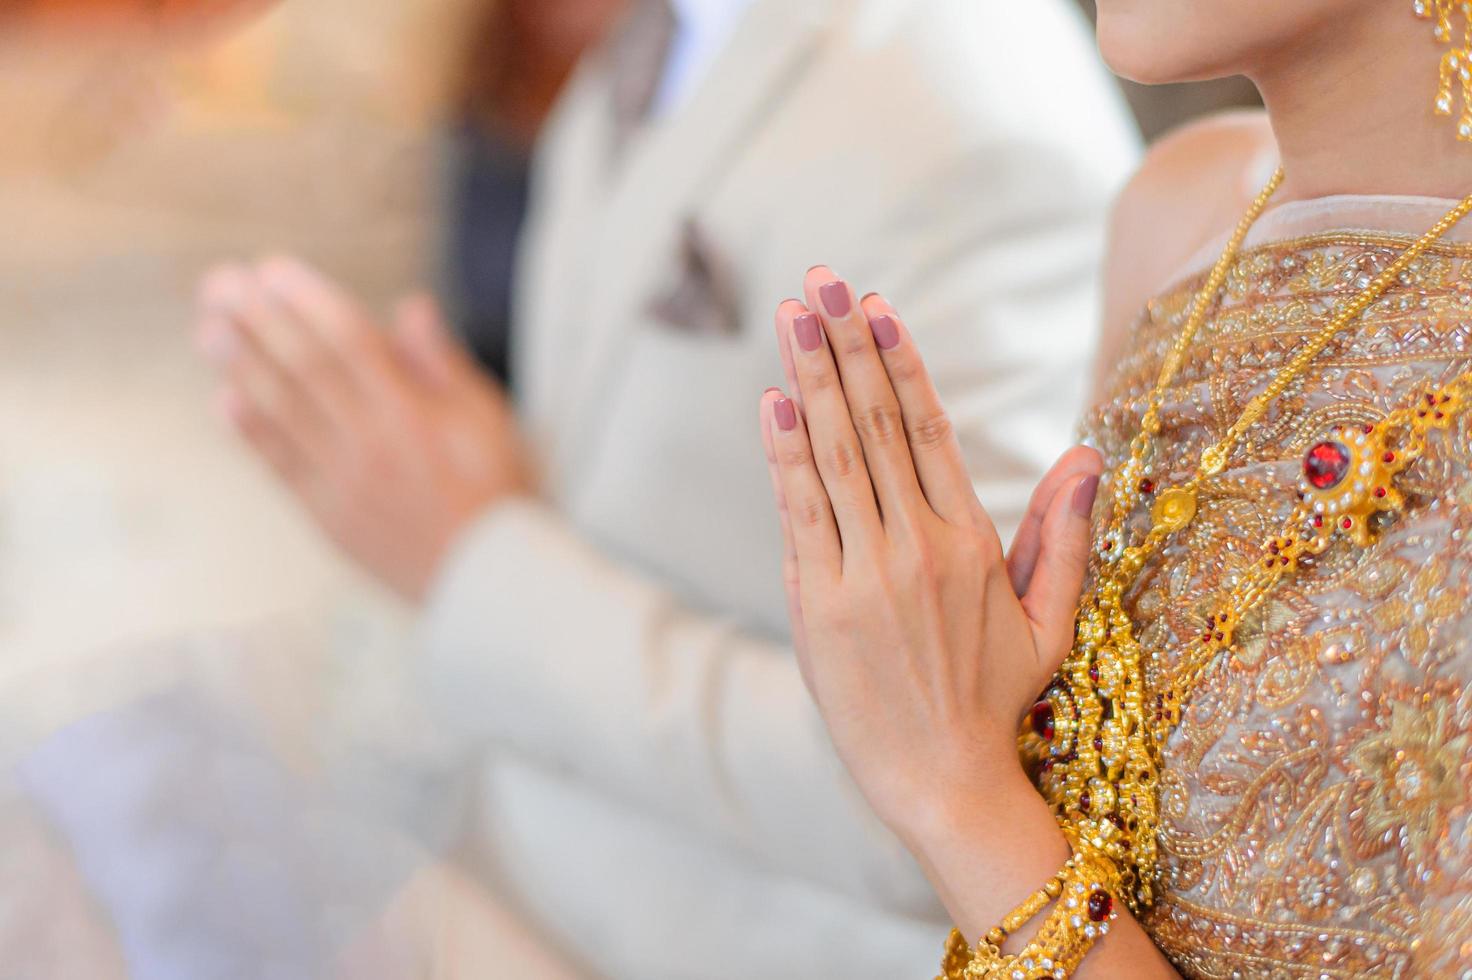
1093 724
1126 486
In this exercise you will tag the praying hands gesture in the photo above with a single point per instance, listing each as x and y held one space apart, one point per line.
393 440
921 641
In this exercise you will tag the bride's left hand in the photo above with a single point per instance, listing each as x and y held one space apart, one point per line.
922 642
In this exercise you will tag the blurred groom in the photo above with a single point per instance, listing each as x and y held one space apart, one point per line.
598 569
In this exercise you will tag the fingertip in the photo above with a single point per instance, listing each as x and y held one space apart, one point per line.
279 272
789 309
1087 458
816 278
769 398
223 287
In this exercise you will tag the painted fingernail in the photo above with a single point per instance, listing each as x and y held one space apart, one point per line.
786 414
886 331
836 298
809 333
1083 497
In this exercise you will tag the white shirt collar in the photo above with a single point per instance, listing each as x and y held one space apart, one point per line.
705 16
703 27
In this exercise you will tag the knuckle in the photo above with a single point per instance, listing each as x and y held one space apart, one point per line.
905 368
820 380
851 343
987 553
795 456
931 431
811 512
843 459
791 577
879 424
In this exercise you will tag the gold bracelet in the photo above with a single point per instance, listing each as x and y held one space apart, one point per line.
1083 893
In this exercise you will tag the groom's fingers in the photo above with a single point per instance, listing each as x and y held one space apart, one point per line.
232 328
343 328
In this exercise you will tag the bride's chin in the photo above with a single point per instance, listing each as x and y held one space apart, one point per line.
1159 42
1147 58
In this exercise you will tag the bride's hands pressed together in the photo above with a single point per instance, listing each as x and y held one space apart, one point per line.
923 642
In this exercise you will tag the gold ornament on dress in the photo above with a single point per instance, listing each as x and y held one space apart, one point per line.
1097 733
1456 64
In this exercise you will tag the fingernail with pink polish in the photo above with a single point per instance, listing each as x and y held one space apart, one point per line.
809 333
836 298
786 414
1083 497
886 331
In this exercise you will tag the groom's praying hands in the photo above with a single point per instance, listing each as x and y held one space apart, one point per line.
394 441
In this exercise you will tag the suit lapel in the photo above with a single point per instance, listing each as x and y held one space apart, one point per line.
668 169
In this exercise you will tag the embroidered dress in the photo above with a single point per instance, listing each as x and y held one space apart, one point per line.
1315 799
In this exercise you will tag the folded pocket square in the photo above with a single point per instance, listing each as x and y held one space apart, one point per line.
700 296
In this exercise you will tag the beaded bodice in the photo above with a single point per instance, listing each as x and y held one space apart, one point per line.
1315 799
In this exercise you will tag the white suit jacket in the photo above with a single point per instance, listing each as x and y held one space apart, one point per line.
659 795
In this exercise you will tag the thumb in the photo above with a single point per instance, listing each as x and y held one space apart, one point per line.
424 341
1051 601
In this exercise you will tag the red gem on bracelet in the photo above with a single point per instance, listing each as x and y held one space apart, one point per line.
1101 903
1042 720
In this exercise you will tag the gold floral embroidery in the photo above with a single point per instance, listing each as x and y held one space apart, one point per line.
1411 771
1315 802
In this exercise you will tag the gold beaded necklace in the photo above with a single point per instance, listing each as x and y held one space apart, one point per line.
1099 740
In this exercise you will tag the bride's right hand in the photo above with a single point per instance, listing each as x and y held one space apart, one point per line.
921 642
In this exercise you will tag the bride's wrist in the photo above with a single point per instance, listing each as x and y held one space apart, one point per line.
975 806
986 844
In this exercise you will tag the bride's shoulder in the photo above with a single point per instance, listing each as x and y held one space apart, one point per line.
1192 187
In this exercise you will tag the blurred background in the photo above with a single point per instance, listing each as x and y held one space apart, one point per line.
145 559
386 139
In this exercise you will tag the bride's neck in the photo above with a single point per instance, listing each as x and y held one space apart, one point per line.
1353 114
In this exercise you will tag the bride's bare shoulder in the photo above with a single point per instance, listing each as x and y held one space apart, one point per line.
1193 186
